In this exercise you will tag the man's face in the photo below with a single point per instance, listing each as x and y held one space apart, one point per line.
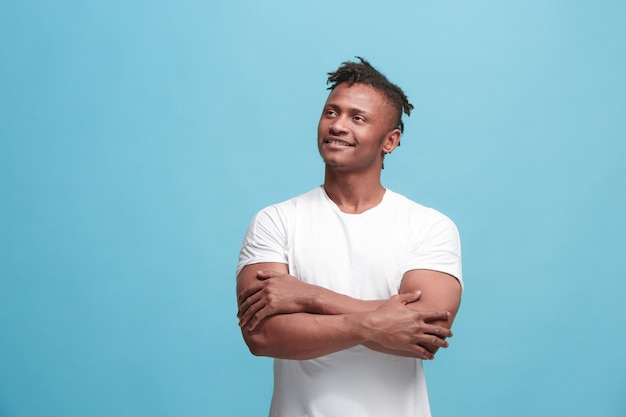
356 127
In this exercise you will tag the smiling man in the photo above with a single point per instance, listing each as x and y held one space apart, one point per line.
350 286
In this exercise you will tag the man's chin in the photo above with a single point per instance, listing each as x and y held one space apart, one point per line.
331 163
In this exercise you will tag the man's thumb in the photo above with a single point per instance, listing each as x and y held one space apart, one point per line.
409 297
264 274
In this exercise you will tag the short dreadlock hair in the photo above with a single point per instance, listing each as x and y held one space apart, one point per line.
365 73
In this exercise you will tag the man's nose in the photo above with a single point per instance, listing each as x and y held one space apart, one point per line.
338 126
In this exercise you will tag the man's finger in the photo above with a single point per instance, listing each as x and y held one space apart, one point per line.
437 315
249 291
409 297
267 274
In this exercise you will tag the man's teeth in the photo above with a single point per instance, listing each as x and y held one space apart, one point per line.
338 142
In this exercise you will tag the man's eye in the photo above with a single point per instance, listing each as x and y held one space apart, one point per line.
359 118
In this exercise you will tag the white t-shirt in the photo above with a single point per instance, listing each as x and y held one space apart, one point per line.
364 256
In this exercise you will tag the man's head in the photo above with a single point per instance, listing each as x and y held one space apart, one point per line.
363 72
356 128
361 120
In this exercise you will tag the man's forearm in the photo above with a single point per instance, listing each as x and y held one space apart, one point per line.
304 336
282 317
391 328
329 302
273 292
332 303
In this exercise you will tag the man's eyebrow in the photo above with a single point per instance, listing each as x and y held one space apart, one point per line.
352 110
356 110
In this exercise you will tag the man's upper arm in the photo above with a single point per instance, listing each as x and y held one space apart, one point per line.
440 291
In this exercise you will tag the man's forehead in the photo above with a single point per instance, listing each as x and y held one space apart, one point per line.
359 92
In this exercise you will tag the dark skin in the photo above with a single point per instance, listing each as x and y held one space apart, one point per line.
283 317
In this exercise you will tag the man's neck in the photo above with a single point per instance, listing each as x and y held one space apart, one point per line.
353 194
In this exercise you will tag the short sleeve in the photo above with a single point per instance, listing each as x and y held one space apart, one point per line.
265 240
437 246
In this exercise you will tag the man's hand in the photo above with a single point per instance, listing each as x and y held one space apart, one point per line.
273 293
396 327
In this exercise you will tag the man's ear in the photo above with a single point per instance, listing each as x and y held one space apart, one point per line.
392 141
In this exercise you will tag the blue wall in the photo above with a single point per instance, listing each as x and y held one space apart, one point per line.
138 138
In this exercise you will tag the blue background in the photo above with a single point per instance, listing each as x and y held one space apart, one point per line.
138 138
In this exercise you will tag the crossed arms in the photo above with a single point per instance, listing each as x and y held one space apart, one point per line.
283 317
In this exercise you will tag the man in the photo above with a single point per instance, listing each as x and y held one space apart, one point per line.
350 286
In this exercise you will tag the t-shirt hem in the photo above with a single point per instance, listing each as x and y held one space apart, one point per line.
242 265
456 274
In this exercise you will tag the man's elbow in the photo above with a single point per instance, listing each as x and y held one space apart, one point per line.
257 344
263 345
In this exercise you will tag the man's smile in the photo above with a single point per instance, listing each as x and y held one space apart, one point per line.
337 142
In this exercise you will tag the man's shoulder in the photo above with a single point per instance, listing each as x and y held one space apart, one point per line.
402 201
310 197
412 207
